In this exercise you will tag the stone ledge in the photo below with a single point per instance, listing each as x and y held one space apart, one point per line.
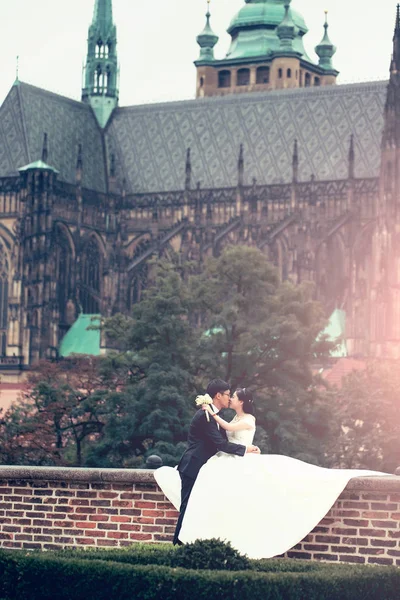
389 483
77 474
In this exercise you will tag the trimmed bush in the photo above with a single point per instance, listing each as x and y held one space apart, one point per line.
212 554
46 576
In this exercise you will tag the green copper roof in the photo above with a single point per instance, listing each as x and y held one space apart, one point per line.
79 339
38 165
254 30
335 332
265 12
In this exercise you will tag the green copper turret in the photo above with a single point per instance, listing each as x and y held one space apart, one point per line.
207 39
325 49
101 72
286 30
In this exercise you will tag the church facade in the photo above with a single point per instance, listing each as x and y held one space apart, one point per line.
270 154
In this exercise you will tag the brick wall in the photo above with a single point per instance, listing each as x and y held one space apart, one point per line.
363 526
52 508
55 508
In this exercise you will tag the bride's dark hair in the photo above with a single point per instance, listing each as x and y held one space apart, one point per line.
245 396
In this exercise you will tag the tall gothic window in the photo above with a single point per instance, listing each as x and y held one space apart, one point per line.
90 278
136 287
4 274
63 265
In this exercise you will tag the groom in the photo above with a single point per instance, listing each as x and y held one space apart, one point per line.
205 439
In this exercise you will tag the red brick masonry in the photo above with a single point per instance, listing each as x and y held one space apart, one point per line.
51 508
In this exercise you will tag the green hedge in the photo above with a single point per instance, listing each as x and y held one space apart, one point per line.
51 576
164 554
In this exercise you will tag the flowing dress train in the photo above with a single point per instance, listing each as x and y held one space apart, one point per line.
263 504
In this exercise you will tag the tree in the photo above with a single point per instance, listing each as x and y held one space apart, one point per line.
235 320
263 334
159 341
62 410
368 406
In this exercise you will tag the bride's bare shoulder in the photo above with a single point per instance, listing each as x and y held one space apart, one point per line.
250 419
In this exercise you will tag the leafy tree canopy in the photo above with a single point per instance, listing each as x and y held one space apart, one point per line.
234 320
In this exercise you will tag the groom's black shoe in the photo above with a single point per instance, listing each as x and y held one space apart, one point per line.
177 543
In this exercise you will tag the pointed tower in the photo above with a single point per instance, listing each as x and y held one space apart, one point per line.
286 31
101 71
325 51
383 306
390 176
207 39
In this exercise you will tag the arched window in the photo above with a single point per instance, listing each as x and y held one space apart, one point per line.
243 77
90 278
201 81
307 80
4 274
289 73
63 275
280 73
99 48
317 81
136 287
262 75
224 79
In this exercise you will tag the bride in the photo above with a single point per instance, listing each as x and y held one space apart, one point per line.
263 504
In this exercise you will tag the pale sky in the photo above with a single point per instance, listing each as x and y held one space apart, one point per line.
157 42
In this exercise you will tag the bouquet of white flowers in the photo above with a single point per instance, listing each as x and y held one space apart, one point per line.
205 399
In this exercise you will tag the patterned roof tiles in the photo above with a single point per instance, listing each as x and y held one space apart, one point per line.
29 112
150 141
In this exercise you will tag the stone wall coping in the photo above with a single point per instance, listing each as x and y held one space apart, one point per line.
78 474
389 483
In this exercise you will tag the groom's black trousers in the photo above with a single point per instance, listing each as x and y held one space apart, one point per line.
187 485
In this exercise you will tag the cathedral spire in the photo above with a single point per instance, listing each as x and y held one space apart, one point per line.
101 71
395 66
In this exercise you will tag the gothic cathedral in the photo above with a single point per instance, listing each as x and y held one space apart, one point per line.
271 153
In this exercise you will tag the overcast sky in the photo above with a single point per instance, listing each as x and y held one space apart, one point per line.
157 42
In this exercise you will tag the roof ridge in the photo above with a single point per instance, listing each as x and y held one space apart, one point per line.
253 97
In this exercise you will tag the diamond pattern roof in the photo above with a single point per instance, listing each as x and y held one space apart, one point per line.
150 141
29 112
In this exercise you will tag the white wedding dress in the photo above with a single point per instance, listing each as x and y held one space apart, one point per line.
263 504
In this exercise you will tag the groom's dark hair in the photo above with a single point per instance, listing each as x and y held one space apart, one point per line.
215 386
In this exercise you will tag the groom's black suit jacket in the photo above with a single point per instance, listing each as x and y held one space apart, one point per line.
205 439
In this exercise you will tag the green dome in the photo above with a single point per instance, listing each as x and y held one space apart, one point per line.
254 30
265 13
